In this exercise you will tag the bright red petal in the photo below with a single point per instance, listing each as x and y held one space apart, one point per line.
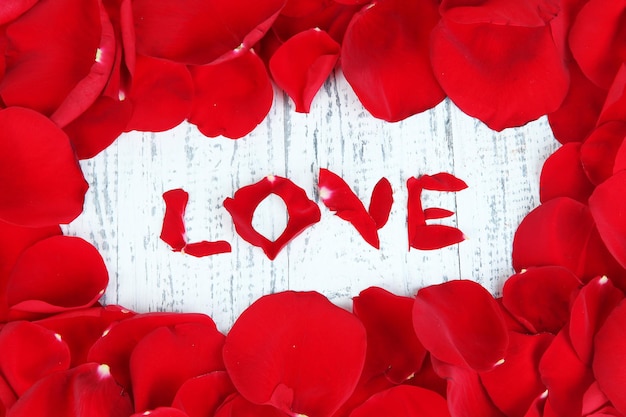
42 183
173 231
530 13
238 406
599 151
608 209
161 94
301 65
203 395
232 97
540 298
459 322
116 344
29 352
609 363
563 175
12 9
392 347
87 390
388 65
199 32
165 358
162 412
338 197
509 86
403 401
47 278
282 351
381 202
302 212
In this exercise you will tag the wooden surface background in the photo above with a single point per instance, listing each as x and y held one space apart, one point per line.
124 207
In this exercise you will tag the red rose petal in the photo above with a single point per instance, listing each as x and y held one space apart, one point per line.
165 358
173 230
29 352
599 49
338 197
7 397
162 412
609 361
80 329
301 65
203 395
302 212
392 347
381 202
562 232
589 311
530 13
565 375
388 65
405 401
232 97
298 8
509 86
87 390
13 9
608 208
615 104
45 65
48 279
37 190
238 406
99 126
116 345
200 32
459 322
515 384
540 298
282 351
563 175
161 94
600 149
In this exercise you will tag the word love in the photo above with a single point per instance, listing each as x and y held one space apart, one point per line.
304 212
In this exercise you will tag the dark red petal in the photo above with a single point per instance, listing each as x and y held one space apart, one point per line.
338 197
459 322
45 65
600 49
116 344
608 209
562 232
80 329
565 376
589 311
203 395
392 347
363 391
578 114
530 13
298 8
165 358
516 383
301 65
403 400
162 412
173 231
199 32
99 126
381 202
620 159
87 390
600 149
13 241
563 175
615 104
161 94
540 298
388 65
232 97
302 212
510 86
466 394
609 361
238 406
7 396
37 189
10 10
282 351
48 279
29 352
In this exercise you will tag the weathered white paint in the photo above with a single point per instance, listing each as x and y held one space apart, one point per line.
124 207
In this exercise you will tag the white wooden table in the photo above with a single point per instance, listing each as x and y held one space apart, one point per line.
124 207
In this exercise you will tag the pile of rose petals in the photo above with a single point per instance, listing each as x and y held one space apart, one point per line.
75 74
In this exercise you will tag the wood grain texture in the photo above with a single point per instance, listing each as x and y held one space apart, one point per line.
124 207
